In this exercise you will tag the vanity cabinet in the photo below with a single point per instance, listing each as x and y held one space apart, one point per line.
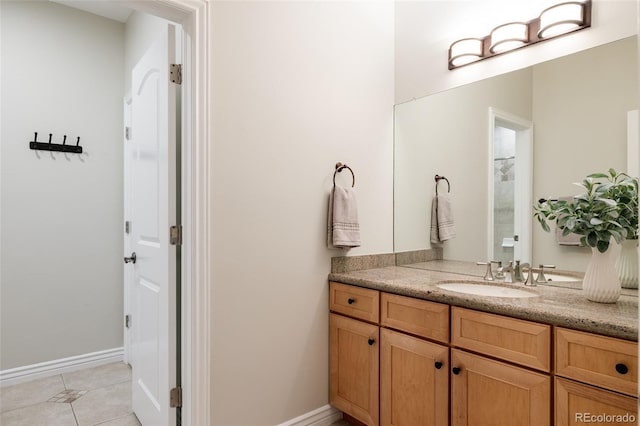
412 373
354 354
595 376
401 361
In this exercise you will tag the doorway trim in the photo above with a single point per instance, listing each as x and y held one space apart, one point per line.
524 146
195 17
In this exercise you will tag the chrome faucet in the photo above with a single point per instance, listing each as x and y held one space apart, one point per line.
499 271
530 281
517 272
508 272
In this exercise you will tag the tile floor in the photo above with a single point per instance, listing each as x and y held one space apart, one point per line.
90 397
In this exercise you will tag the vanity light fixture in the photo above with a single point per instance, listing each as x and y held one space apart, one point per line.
554 21
465 51
561 19
508 37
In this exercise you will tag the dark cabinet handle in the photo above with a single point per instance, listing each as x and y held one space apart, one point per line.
371 341
622 369
438 365
455 370
351 301
131 259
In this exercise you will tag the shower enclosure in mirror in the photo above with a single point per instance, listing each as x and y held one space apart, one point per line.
576 105
509 187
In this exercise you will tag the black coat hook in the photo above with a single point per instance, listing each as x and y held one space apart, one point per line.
49 146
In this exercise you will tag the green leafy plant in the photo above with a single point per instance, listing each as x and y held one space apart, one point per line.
608 208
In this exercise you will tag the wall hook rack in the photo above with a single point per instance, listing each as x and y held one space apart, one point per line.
61 147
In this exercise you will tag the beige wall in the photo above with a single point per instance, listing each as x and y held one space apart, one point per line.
580 106
446 134
426 29
298 86
61 293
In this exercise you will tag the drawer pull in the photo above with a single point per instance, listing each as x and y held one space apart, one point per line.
351 301
622 369
371 341
455 370
438 365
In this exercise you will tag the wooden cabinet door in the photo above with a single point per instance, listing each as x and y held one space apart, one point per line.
485 392
354 362
578 404
414 381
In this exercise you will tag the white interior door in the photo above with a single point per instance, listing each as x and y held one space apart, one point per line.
153 211
128 272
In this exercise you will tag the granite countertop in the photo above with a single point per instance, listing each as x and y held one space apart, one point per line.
566 307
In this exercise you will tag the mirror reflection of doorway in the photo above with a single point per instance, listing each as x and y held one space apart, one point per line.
504 161
510 183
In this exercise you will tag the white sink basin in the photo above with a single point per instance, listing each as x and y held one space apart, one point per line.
558 277
486 290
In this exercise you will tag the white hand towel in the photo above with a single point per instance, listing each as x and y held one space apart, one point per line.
442 225
343 226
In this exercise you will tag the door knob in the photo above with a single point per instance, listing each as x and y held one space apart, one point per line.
131 259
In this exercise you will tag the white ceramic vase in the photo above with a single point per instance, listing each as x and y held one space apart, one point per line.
627 264
601 283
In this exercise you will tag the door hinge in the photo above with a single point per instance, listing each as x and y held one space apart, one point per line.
127 227
175 397
127 321
127 133
175 235
175 73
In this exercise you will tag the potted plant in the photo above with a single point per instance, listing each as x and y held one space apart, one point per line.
606 211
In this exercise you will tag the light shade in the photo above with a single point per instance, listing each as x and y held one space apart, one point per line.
508 37
561 19
465 51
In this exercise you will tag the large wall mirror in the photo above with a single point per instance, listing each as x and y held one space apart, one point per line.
577 109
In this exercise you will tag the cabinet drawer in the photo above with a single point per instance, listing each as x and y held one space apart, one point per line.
523 342
598 360
576 403
354 301
420 317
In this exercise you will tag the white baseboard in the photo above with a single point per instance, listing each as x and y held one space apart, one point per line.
323 416
58 366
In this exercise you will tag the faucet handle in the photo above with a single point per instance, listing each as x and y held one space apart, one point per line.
488 275
541 278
